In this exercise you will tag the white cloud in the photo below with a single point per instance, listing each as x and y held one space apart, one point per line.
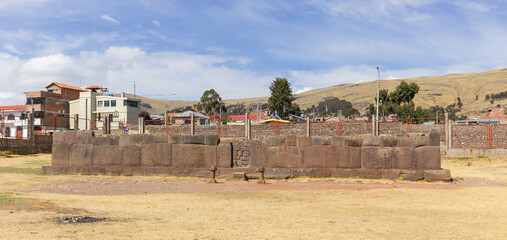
407 10
12 49
110 19
302 90
471 5
156 23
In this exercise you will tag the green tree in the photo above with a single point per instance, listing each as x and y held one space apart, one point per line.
352 112
281 97
404 93
210 103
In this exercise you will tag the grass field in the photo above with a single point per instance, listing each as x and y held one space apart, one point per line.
475 207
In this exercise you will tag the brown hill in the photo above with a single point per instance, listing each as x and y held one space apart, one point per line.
437 90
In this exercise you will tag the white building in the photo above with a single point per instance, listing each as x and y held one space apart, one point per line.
13 122
93 107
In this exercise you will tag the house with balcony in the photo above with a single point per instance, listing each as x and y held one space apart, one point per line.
14 122
93 107
51 107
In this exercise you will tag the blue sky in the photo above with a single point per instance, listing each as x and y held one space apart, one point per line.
239 47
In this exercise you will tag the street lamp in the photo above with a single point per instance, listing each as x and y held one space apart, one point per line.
378 98
165 113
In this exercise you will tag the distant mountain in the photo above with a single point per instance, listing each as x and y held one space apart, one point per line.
472 88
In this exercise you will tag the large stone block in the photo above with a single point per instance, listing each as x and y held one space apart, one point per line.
347 157
107 155
339 141
211 140
188 155
290 157
434 139
70 137
224 155
354 141
81 155
419 141
210 156
427 157
85 137
321 140
340 173
391 173
404 142
304 141
113 140
174 139
258 153
136 139
131 156
275 141
319 156
59 137
437 175
291 140
192 139
60 154
156 154
388 141
272 157
99 141
374 157
403 158
160 138
371 141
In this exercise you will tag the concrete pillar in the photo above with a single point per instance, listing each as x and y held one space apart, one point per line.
249 129
141 125
31 125
447 133
307 127
246 125
192 127
373 125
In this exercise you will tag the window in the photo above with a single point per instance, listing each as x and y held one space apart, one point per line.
132 104
100 104
113 103
11 117
7 132
1 117
125 103
106 103
34 100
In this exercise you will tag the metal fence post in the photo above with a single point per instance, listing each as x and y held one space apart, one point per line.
192 127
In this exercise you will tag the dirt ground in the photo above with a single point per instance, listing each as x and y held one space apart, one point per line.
474 206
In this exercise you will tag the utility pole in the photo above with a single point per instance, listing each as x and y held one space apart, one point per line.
378 98
165 113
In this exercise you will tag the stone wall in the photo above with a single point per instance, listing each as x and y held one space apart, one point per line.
411 157
325 129
40 144
465 136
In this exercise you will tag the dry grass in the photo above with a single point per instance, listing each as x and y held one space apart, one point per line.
399 213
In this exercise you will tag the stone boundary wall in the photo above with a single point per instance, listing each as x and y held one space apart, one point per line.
40 144
299 130
413 157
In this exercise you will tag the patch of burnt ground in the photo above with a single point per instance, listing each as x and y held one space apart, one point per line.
77 219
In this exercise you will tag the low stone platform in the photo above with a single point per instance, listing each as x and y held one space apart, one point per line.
410 157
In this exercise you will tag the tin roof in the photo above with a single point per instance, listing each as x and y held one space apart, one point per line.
187 114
